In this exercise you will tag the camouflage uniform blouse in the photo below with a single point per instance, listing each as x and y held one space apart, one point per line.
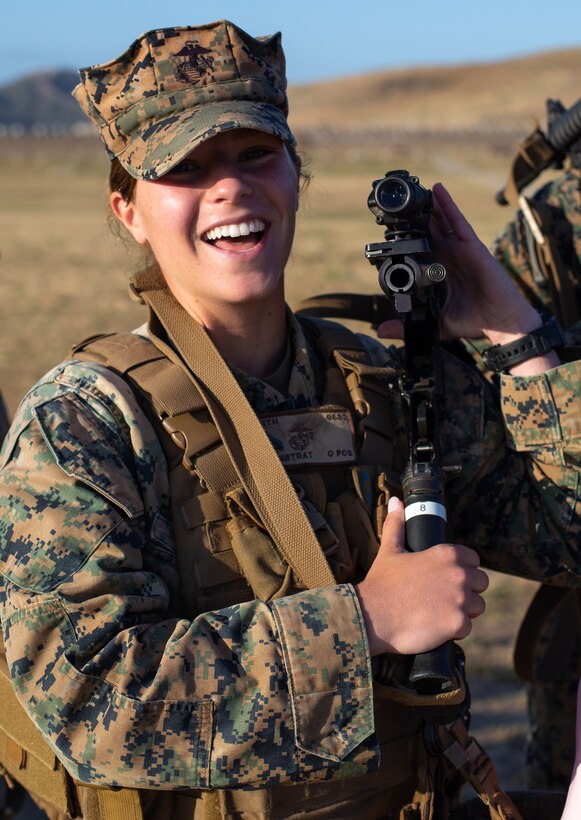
126 689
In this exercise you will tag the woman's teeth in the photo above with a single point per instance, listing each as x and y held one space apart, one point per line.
234 231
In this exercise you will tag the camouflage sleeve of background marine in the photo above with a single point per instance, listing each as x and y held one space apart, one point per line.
518 502
516 498
126 691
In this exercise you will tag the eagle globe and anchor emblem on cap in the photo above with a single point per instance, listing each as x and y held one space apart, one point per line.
197 64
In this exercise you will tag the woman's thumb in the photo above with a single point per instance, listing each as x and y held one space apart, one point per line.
393 532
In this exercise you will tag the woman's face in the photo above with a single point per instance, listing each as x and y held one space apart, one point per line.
221 223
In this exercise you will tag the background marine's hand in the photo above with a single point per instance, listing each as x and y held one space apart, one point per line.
481 299
415 601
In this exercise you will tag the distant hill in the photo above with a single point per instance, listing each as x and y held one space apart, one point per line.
501 95
478 95
41 101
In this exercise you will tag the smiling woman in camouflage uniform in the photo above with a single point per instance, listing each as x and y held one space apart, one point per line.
160 629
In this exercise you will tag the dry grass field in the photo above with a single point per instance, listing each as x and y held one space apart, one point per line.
63 275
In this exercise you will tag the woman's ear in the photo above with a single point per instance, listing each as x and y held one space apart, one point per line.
128 215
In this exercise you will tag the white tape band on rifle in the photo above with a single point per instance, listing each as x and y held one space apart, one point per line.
425 508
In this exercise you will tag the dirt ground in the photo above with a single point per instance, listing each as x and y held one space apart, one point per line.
499 720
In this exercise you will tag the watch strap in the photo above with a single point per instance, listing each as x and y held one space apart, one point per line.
539 341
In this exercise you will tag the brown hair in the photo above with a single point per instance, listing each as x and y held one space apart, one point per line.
121 181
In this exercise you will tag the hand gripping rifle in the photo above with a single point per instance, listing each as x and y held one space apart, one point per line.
544 150
413 281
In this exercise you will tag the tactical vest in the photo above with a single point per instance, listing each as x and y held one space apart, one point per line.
224 556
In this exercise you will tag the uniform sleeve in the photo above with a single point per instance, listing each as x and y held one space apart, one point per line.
517 500
512 454
126 691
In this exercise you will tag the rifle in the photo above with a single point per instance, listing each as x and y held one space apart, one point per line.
414 283
540 150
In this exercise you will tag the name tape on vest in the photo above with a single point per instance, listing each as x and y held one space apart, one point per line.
313 436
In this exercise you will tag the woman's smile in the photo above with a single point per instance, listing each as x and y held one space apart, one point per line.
221 223
238 235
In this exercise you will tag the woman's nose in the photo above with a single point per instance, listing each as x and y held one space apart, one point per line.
230 184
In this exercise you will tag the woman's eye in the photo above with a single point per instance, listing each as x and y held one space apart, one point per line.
257 153
185 167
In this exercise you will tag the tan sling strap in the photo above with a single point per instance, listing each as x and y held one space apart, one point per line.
120 804
534 154
471 761
373 308
257 464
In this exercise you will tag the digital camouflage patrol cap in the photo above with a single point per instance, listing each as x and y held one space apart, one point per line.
174 88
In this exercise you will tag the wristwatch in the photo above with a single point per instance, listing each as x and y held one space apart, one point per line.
549 336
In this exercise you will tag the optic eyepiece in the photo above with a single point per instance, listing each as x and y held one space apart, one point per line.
392 194
399 197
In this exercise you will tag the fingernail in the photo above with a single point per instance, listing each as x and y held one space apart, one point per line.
392 504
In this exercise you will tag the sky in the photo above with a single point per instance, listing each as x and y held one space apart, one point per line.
322 39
